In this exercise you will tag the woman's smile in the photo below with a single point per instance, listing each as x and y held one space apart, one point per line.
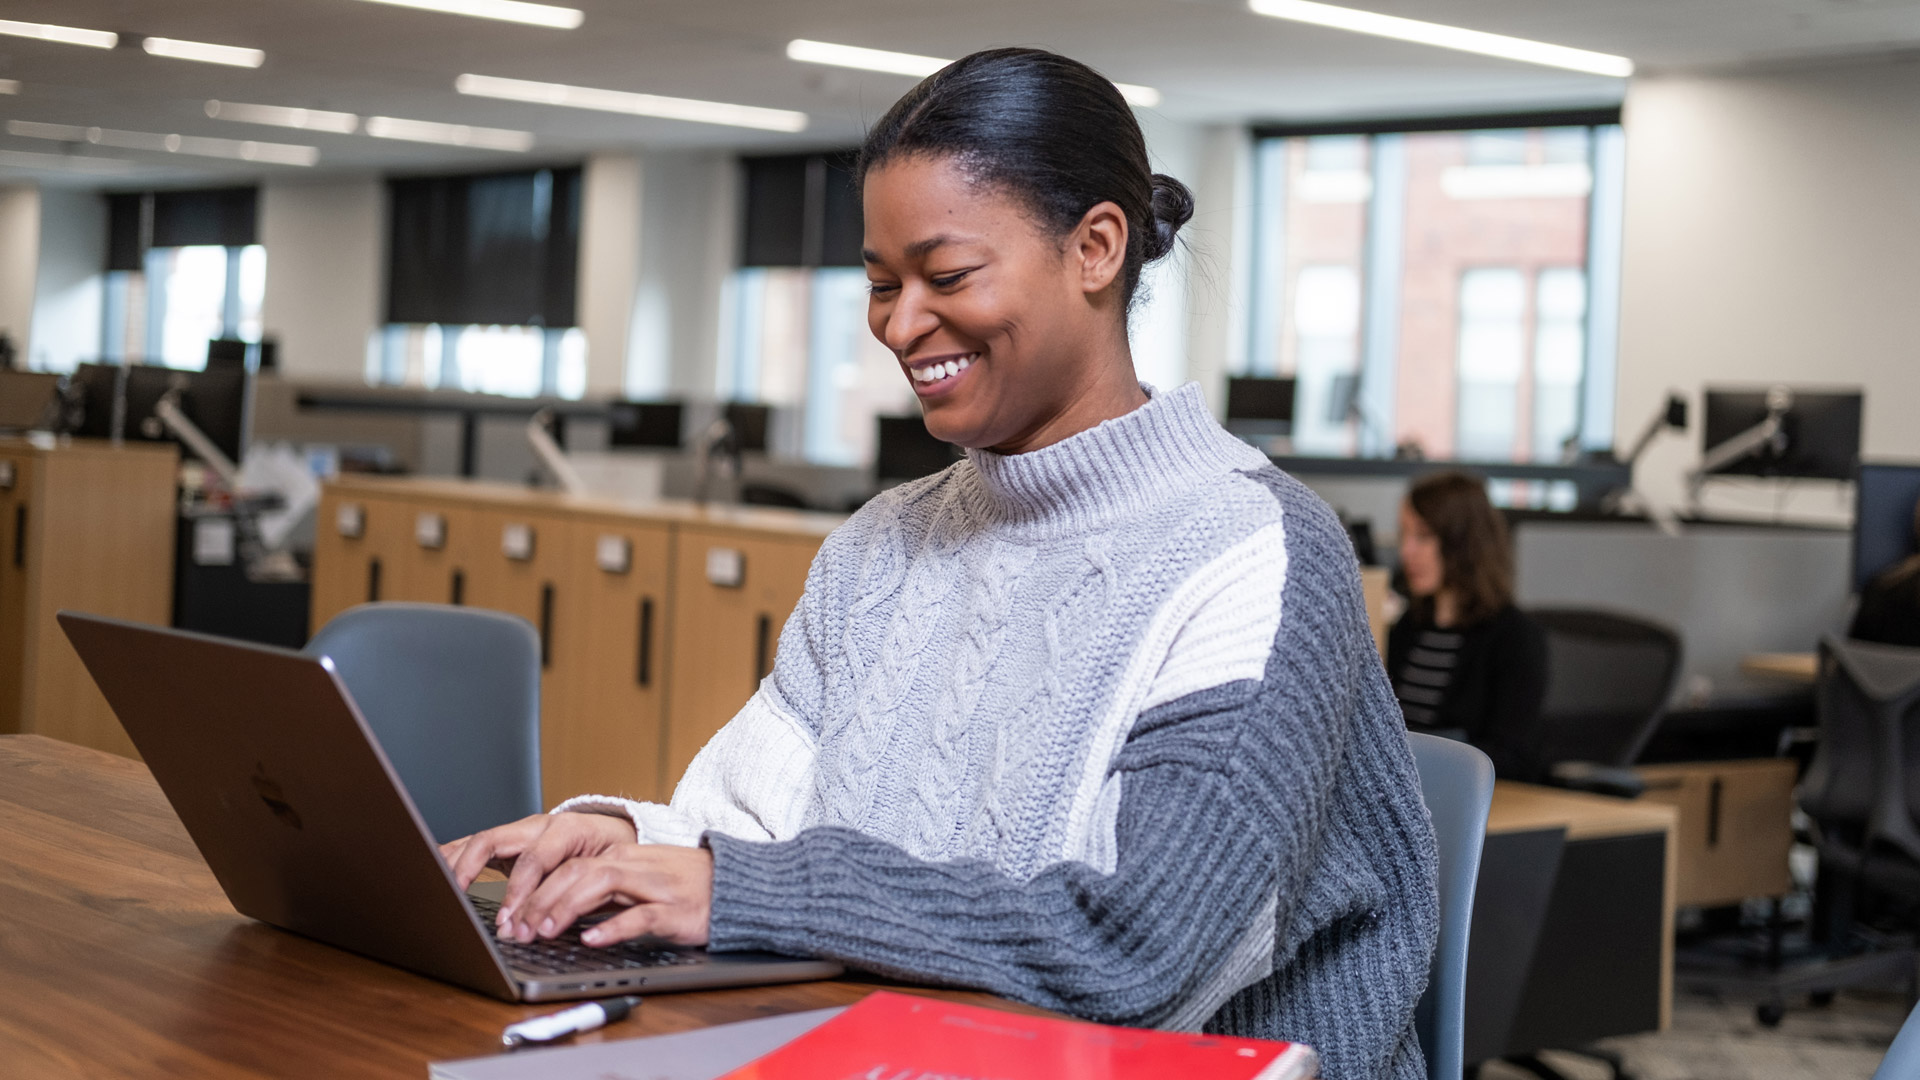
934 376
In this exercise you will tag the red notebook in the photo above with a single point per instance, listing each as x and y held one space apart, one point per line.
900 1037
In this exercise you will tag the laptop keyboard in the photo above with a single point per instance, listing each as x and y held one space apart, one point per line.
567 953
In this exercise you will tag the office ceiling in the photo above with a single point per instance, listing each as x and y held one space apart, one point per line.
1212 59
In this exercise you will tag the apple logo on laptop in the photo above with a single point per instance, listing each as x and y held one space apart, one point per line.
269 791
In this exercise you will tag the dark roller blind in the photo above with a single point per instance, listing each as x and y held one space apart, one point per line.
136 221
801 210
496 248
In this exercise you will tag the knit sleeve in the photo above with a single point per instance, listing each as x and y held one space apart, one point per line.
1224 802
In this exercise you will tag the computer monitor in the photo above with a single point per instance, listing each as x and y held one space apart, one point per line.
227 354
1883 522
216 402
1260 398
749 424
29 400
1821 432
908 451
646 423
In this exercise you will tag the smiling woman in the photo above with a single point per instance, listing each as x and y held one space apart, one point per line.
1091 719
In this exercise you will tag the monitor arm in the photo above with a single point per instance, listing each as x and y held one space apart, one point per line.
717 441
551 456
1767 434
168 412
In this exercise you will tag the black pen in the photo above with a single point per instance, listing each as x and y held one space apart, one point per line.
566 1022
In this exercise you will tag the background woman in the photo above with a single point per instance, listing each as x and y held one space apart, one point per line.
1889 610
1091 719
1465 661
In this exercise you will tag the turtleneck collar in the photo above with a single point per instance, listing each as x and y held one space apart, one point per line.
1125 465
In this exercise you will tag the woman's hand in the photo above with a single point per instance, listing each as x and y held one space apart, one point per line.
667 891
531 848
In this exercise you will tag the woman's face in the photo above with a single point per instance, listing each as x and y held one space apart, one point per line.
993 321
1419 554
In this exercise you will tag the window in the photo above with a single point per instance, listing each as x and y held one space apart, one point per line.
1452 291
798 337
515 361
182 298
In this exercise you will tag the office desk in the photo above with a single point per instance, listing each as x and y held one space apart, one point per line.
1572 935
119 955
1791 667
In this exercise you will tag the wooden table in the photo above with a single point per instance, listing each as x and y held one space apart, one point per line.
1572 935
1793 667
120 956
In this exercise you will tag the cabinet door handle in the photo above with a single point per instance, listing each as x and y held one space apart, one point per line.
459 588
373 580
546 625
645 672
20 535
762 631
1713 813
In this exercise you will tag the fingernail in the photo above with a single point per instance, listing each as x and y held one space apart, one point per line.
592 937
546 927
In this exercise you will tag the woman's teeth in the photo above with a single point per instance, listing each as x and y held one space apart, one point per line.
947 370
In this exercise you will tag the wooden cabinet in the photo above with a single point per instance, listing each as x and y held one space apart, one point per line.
1736 825
656 621
86 526
733 591
608 726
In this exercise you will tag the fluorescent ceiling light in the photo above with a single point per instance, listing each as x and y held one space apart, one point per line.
560 18
387 127
1446 37
231 55
339 123
899 63
66 35
27 159
198 145
621 101
9 86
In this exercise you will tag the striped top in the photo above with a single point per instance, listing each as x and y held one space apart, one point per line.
1421 683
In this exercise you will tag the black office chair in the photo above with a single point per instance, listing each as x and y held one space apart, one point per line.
1609 678
1862 792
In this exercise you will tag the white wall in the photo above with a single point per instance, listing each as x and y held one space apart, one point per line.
1221 238
610 241
1772 235
68 287
689 241
325 274
19 260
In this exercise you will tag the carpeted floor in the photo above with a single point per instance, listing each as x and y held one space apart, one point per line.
1715 1037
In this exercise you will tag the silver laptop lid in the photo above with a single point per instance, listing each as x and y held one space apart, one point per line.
288 796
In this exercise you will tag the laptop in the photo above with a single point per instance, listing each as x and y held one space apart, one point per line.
285 791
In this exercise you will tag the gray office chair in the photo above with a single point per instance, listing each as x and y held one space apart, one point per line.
453 695
1456 781
1862 793
1609 678
1903 1057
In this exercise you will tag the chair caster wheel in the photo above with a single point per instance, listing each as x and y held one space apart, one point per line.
1769 1014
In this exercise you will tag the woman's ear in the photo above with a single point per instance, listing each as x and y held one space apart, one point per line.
1099 246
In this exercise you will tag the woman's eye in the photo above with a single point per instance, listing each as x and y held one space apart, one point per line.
881 288
947 281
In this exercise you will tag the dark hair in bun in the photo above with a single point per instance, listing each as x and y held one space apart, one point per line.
1052 131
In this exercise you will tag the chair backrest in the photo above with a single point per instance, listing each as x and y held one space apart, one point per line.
1903 1057
1456 781
453 695
1864 781
1609 678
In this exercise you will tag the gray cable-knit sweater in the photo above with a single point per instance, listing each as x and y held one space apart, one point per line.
1098 727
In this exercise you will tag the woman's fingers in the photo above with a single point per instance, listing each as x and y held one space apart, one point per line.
501 842
566 837
676 883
